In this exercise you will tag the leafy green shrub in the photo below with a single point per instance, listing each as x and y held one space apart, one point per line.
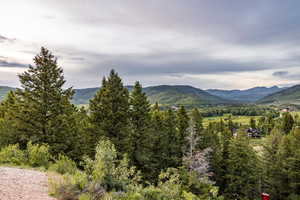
79 179
38 155
85 197
64 165
12 155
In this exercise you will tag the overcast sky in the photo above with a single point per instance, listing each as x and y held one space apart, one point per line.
229 44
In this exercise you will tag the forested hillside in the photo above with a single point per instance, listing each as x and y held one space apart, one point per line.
250 95
4 91
123 148
287 96
163 94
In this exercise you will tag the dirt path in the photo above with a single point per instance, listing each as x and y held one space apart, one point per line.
23 184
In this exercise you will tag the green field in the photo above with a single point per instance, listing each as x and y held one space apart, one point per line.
244 120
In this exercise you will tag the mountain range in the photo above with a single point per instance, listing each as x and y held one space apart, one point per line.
4 90
287 96
163 94
191 96
249 95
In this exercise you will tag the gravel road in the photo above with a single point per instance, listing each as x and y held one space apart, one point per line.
23 184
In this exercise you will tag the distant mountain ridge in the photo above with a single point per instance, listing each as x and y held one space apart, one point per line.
289 95
191 96
163 94
250 95
181 95
4 90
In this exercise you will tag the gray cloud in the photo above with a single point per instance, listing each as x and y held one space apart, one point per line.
5 63
287 75
167 38
280 73
5 39
243 22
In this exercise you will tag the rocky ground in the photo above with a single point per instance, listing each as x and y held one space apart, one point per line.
23 184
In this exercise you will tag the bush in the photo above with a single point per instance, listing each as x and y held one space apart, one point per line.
64 165
12 155
38 155
85 197
79 180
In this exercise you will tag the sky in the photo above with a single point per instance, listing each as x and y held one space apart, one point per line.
229 44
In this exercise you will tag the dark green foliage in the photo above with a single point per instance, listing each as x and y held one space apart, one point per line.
109 112
252 123
8 110
287 123
242 174
271 164
284 174
43 112
239 110
219 158
168 142
140 131
182 125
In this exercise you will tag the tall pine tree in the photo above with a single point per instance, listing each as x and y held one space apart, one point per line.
46 114
109 113
182 125
140 126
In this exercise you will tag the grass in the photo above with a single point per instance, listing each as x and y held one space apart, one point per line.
244 120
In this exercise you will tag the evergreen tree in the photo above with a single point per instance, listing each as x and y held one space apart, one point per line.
182 124
169 141
196 127
109 112
270 181
288 123
8 110
242 178
287 178
140 125
252 123
45 113
155 149
87 146
219 159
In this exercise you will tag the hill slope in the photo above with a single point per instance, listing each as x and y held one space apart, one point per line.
4 90
249 95
163 94
181 94
287 96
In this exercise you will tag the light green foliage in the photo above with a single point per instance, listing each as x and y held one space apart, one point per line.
105 161
38 155
63 165
78 179
85 197
12 155
243 120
